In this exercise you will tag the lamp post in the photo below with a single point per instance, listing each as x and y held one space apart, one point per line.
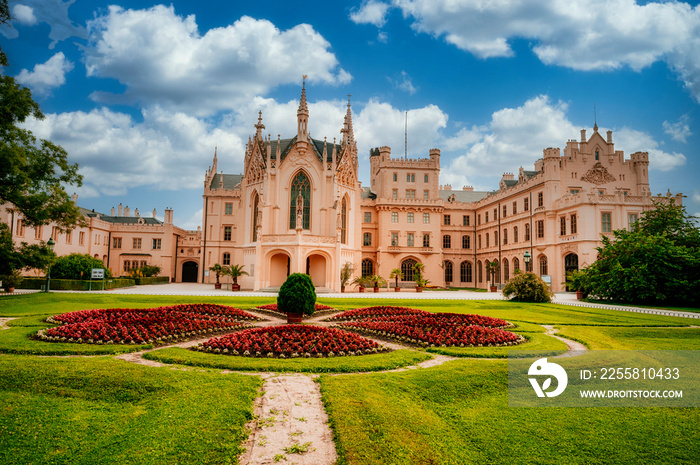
50 245
526 257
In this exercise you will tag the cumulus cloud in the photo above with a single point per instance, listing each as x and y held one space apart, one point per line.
52 12
404 83
679 130
370 12
631 140
582 35
46 76
24 14
162 57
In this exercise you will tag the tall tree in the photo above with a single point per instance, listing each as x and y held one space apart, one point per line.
34 172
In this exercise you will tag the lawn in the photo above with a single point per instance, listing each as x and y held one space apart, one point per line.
103 410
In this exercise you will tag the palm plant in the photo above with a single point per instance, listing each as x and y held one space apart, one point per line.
397 274
345 274
235 271
218 269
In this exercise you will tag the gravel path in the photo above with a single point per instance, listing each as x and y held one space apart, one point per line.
575 348
3 322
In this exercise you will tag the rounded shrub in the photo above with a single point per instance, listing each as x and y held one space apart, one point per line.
527 287
76 266
297 295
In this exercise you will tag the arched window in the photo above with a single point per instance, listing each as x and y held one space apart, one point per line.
543 265
300 185
516 264
506 270
344 222
515 234
226 259
505 236
254 234
466 242
448 271
407 269
465 272
479 271
367 267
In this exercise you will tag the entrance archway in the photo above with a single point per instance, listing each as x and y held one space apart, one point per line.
190 272
279 269
570 264
316 269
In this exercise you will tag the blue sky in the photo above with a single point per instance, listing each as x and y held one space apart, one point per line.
140 94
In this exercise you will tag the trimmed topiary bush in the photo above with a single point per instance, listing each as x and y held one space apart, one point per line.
297 295
527 287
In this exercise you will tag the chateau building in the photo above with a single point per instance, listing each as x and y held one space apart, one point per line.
299 207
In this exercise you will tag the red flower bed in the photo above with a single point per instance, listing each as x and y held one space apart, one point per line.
383 312
438 329
273 307
291 341
149 325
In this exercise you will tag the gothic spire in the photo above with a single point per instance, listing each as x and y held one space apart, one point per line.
302 113
259 127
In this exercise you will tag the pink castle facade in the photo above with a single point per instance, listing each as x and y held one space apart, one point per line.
299 207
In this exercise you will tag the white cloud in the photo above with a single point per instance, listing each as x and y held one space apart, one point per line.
192 222
46 76
370 12
52 12
632 141
162 58
696 197
24 14
382 37
404 83
680 130
582 34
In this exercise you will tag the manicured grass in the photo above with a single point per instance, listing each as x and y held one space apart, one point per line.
458 413
617 337
537 345
372 362
101 410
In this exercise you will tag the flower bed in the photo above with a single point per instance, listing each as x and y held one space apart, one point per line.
291 341
271 309
141 326
431 319
437 329
373 312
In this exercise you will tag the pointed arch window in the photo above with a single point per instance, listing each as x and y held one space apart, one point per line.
300 185
256 212
344 221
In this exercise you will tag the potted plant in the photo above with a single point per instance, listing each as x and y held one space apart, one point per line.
492 268
235 271
397 274
345 274
418 270
297 297
361 282
576 281
12 280
217 269
378 282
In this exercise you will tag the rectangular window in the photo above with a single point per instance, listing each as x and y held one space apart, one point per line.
478 219
465 220
632 220
504 211
54 233
540 199
395 239
526 204
410 177
394 217
368 217
409 239
116 242
446 242
395 177
226 259
486 217
20 228
540 229
410 193
425 178
227 233
606 222
426 195
228 209
487 240
515 234
410 217
527 232
426 218
394 194
466 242
367 239
562 226
505 237
446 220
69 237
156 243
81 238
426 240
37 232
574 191
137 243
515 208
479 240
574 228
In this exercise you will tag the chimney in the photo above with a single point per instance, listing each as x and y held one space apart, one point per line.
610 137
467 188
126 211
154 213
75 198
583 135
169 216
112 212
121 209
136 213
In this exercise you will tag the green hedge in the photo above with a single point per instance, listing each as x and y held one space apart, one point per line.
151 280
75 284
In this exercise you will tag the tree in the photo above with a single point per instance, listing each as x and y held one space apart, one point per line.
657 263
76 266
33 173
297 295
527 287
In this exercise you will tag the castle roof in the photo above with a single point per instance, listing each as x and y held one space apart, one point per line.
230 181
462 195
317 146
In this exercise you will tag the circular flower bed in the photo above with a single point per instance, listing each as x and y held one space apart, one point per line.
273 307
429 329
148 325
291 341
